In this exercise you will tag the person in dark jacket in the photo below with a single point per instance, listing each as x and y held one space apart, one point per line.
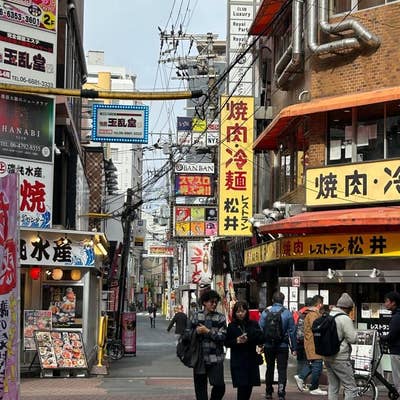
278 352
179 320
392 303
243 335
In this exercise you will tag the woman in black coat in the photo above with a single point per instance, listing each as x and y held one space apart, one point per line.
242 337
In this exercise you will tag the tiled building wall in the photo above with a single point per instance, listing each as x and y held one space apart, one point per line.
368 70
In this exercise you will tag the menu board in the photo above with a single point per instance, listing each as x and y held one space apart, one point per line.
60 349
363 351
35 320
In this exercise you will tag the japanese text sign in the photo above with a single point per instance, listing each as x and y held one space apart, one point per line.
193 185
199 269
9 321
353 183
120 123
236 166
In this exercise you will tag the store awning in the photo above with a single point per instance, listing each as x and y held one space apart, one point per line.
265 14
374 219
268 138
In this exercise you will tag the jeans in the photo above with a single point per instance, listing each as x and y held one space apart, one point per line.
301 359
395 361
280 355
215 374
313 367
341 372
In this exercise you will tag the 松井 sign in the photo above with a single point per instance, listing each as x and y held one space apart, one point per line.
236 166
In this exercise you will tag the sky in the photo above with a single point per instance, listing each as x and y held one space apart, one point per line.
127 31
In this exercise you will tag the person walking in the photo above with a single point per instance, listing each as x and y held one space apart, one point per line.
152 315
279 334
210 327
179 320
339 368
392 303
243 335
299 318
313 366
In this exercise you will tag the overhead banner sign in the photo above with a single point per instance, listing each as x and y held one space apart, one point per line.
236 166
159 251
195 221
120 123
371 182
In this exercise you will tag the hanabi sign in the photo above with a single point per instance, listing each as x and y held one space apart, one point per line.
236 166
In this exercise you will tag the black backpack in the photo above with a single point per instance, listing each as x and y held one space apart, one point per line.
300 328
273 331
326 339
188 349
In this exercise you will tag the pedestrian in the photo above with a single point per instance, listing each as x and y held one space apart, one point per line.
152 315
210 326
179 320
314 362
243 335
279 334
338 367
299 317
392 303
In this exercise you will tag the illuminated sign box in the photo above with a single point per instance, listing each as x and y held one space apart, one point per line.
193 185
120 123
195 221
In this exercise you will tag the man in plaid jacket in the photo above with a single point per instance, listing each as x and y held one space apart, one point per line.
210 326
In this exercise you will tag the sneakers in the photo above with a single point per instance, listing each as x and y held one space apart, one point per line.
318 392
299 383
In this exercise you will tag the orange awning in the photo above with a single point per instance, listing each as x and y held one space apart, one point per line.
361 220
268 138
265 14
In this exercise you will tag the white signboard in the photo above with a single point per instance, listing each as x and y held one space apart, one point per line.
194 168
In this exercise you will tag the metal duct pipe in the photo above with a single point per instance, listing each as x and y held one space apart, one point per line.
361 32
295 47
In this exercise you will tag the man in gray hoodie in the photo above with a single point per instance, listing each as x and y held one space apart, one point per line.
338 366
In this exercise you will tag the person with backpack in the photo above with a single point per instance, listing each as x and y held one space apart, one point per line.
179 320
313 366
210 327
299 317
279 334
242 337
334 343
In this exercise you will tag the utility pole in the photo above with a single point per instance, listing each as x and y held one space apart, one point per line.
127 217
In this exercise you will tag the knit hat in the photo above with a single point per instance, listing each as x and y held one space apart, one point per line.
345 301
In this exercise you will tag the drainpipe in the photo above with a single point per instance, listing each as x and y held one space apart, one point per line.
295 48
363 36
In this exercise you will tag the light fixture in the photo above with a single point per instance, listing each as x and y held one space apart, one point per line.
331 273
374 273
34 273
57 274
76 274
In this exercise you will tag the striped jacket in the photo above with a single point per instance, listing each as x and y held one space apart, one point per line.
213 342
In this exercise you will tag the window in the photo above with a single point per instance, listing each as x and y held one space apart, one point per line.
340 136
344 6
393 129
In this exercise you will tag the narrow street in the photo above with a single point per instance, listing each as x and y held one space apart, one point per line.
155 373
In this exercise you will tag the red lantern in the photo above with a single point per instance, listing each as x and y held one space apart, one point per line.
34 273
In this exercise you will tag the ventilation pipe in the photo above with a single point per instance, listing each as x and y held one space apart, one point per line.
363 36
292 58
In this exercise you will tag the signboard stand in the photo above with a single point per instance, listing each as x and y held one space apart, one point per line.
61 354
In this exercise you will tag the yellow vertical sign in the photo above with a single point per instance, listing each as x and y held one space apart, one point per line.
236 166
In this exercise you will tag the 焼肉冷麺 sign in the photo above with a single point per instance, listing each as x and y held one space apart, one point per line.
373 182
236 166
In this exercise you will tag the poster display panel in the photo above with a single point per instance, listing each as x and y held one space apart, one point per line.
60 349
35 320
